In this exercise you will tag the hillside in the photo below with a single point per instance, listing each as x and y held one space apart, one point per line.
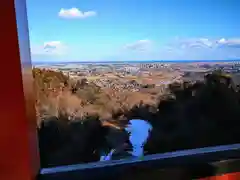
57 93
188 115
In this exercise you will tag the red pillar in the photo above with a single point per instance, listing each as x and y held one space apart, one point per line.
18 139
228 176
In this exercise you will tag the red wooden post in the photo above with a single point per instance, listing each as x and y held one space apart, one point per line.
228 176
18 139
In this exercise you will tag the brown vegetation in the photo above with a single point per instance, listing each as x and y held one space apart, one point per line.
190 115
57 93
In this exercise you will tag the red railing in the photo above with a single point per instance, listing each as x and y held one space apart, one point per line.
18 140
229 176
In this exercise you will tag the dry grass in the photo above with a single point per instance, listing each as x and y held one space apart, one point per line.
54 96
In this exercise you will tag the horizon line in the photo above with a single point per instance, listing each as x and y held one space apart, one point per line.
130 61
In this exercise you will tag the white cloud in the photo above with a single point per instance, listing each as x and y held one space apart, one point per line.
193 43
178 49
141 45
75 13
50 48
203 48
183 49
208 43
231 43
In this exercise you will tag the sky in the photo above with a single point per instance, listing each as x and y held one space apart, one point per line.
124 30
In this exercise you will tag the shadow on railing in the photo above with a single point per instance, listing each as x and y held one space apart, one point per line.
194 163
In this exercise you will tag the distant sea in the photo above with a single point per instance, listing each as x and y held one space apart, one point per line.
130 62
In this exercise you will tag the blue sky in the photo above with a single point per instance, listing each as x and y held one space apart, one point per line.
101 30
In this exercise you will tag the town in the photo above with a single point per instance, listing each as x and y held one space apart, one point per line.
136 76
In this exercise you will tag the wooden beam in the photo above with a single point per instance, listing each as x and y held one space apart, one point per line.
19 151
